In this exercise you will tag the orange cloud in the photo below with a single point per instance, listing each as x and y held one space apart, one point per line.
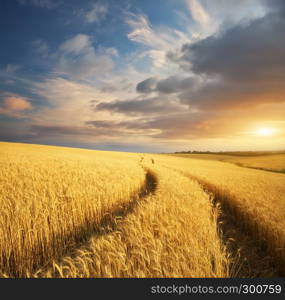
17 103
14 106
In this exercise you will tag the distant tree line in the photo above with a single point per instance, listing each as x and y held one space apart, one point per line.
238 153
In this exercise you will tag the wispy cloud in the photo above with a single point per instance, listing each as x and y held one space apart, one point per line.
96 13
80 60
76 45
66 101
41 47
156 40
10 68
145 106
198 12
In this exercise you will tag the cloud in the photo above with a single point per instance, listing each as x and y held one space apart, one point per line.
198 12
110 51
179 126
79 59
103 124
122 85
50 130
14 105
41 47
142 31
97 129
97 13
76 45
146 86
153 105
160 38
187 125
59 91
226 13
156 41
65 100
135 127
240 66
170 85
176 85
10 68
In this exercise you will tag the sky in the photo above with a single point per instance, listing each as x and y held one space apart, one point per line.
143 75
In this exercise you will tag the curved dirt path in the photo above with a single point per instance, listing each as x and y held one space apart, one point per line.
248 256
108 224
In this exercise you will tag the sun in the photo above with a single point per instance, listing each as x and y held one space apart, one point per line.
265 131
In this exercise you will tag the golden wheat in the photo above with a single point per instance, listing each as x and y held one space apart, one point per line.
82 213
52 198
171 233
256 197
275 162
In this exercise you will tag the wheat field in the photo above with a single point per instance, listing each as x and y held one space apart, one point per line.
273 162
82 213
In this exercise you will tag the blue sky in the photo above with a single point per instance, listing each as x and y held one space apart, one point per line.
133 75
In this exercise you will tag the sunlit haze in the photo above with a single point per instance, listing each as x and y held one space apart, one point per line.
265 131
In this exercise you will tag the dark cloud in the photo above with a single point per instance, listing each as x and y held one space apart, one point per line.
243 65
240 67
170 85
122 86
138 106
171 127
182 125
200 124
174 84
102 124
276 5
247 52
192 126
13 131
137 124
146 86
237 78
46 130
228 95
96 128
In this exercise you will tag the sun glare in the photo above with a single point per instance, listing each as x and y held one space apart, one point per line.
265 131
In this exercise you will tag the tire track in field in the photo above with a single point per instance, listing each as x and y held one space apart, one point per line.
248 256
260 169
108 224
241 165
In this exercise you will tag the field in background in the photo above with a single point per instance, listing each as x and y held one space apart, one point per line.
82 213
270 162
